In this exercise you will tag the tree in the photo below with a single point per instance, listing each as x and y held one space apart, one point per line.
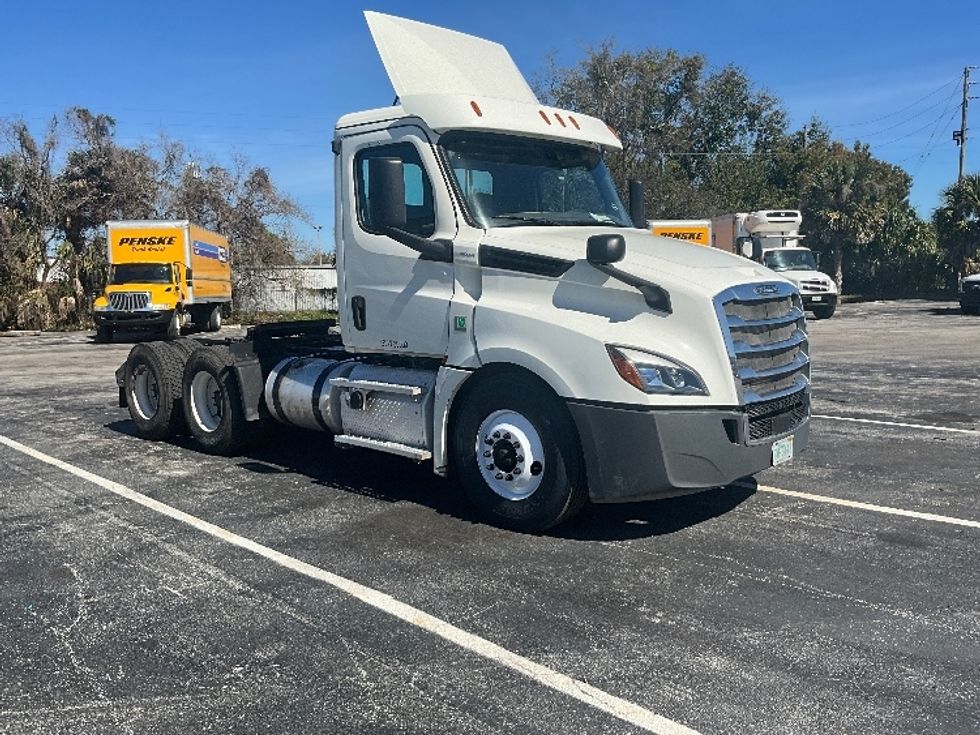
29 202
847 197
697 139
241 203
957 222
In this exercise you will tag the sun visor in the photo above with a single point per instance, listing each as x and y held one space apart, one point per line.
422 59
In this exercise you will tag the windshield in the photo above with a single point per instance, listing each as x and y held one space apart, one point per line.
509 181
791 259
139 273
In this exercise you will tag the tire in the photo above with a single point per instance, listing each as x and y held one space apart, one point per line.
212 401
970 309
152 383
824 312
511 426
185 346
173 326
103 333
214 319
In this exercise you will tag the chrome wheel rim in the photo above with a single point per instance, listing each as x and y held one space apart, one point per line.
145 393
510 455
206 404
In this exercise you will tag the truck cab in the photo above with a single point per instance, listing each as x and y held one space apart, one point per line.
482 229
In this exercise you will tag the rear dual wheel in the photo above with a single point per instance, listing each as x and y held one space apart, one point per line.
152 382
212 401
214 319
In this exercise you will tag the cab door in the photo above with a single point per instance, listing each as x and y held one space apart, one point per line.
395 300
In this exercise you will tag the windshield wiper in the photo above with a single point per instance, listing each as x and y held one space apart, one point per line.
525 218
558 223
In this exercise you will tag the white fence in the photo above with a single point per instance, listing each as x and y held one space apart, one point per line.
288 288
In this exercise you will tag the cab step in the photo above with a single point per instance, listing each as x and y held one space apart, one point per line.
402 450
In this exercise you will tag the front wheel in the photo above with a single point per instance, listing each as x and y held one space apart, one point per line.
172 330
970 309
824 312
517 454
103 333
212 401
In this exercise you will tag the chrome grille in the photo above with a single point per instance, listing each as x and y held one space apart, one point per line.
765 332
814 285
129 300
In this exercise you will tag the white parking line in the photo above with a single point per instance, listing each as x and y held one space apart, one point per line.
899 424
865 506
585 693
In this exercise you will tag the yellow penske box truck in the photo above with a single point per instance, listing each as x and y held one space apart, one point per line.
163 276
697 231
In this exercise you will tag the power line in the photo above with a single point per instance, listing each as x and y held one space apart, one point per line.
907 120
930 146
910 133
925 155
901 109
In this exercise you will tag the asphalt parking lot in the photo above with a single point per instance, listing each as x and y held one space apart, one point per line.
836 594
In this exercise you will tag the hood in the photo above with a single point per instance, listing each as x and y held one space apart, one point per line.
662 260
975 278
805 275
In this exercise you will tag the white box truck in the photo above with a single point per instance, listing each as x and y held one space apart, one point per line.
501 316
772 237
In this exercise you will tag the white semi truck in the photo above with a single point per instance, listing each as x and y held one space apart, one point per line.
501 316
772 237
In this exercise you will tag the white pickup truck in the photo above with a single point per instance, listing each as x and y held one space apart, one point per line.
502 315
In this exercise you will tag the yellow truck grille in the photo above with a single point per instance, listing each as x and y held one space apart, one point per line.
129 300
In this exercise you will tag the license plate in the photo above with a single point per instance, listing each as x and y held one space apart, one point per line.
817 298
782 450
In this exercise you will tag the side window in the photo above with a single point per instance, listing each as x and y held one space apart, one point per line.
421 218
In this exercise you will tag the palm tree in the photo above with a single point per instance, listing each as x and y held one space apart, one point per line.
957 221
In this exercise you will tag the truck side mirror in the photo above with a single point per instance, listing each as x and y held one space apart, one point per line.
746 247
605 249
637 213
817 258
386 194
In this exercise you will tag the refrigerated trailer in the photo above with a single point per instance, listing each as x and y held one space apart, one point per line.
502 316
772 237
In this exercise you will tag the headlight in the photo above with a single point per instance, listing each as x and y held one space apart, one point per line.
655 374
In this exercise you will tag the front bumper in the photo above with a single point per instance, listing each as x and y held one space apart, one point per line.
134 319
818 299
634 454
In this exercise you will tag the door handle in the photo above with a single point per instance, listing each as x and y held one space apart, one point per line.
359 312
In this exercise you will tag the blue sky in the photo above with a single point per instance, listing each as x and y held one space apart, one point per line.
267 80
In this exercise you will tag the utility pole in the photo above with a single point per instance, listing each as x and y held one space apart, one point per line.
960 136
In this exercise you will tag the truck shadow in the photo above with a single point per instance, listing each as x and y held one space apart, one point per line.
953 310
390 479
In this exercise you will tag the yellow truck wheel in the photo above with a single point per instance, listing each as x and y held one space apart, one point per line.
214 319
